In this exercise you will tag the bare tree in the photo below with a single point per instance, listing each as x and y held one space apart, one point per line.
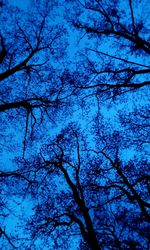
96 195
90 183
116 57
31 43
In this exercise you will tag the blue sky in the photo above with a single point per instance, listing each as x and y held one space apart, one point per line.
83 117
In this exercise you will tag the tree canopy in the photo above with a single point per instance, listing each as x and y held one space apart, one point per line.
75 125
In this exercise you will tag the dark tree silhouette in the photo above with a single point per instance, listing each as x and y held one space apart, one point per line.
30 88
94 192
120 65
87 183
26 55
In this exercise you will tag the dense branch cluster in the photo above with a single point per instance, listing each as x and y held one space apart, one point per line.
77 124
